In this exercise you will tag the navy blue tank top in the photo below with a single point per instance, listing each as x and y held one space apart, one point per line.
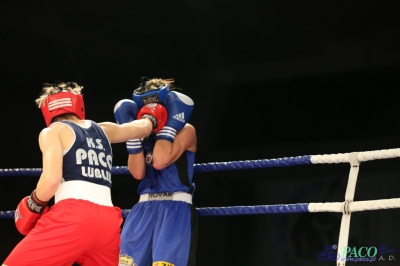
90 156
178 177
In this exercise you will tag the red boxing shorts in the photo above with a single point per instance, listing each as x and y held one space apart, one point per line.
72 231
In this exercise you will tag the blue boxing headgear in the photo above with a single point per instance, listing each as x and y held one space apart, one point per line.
146 93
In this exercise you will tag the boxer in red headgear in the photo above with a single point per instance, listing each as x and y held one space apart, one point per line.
63 102
82 226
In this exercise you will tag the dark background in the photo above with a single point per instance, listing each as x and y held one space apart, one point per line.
270 79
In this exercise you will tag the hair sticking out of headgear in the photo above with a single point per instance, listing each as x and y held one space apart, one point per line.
152 90
61 98
147 84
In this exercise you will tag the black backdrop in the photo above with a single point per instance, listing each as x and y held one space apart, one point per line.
269 79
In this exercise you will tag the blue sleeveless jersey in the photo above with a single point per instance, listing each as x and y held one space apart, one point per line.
90 156
176 177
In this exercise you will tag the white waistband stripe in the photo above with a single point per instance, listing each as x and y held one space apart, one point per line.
175 196
83 190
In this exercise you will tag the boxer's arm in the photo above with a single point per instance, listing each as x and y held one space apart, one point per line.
52 160
179 107
133 130
165 152
125 111
136 165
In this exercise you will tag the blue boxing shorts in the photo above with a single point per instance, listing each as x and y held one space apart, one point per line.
160 230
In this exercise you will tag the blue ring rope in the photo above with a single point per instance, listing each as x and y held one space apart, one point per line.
236 165
198 168
222 211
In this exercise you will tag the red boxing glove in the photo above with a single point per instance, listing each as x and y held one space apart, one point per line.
156 113
29 210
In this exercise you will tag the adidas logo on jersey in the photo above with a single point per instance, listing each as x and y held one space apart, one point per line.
180 117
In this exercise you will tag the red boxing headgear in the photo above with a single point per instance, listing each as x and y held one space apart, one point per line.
63 102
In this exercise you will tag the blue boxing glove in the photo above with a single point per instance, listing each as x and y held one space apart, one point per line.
179 107
125 111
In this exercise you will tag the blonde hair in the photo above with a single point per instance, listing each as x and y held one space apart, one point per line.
155 83
51 88
147 84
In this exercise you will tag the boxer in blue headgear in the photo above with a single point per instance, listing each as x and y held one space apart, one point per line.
163 91
152 91
161 229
